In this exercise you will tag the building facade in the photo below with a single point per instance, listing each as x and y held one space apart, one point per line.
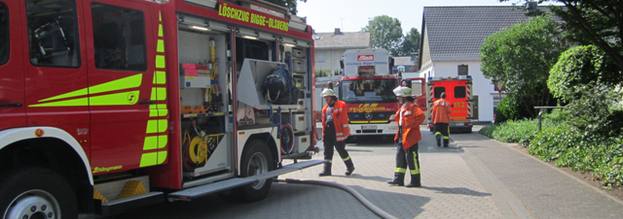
450 43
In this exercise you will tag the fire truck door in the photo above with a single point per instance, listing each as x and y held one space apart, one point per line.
121 57
459 105
55 79
12 109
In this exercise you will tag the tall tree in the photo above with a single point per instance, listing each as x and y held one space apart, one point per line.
522 55
289 4
411 42
385 33
594 22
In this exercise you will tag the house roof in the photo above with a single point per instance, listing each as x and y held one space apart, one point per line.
343 40
403 60
455 33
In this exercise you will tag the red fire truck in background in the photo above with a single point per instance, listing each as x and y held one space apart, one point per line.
459 93
107 105
366 87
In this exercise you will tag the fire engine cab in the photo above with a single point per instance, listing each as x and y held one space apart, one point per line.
107 105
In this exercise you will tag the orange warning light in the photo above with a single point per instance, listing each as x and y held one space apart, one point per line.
39 132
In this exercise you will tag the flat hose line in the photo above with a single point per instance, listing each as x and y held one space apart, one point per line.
350 190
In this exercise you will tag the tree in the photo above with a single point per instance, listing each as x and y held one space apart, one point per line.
385 33
411 42
522 55
289 4
596 22
579 79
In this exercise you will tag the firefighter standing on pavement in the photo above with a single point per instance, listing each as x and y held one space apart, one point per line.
335 131
441 120
409 118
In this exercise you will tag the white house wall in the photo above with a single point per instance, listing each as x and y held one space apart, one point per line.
481 86
331 59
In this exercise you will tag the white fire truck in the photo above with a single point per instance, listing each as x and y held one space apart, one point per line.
109 105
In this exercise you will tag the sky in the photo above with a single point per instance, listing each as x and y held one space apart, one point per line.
352 15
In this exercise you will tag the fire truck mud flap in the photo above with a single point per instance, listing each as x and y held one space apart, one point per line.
199 191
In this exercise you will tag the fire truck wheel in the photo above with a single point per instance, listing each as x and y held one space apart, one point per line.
36 193
256 160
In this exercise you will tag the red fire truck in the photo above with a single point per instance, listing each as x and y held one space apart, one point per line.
107 105
459 93
366 87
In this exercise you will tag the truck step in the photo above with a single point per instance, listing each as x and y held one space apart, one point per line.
199 191
134 202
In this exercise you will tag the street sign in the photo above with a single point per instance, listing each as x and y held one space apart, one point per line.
499 85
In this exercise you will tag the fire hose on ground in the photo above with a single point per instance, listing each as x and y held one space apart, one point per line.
350 190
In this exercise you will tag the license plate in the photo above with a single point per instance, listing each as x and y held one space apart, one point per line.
368 127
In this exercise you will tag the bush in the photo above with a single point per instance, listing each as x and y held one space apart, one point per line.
516 131
488 131
510 108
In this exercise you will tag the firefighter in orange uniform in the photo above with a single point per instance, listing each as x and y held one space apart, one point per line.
441 120
409 118
335 131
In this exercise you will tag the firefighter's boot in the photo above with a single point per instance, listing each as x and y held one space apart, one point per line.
438 137
446 141
399 180
415 181
327 169
349 167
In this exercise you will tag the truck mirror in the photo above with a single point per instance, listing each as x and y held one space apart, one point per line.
342 64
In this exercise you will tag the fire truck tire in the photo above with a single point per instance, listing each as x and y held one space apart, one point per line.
34 192
256 159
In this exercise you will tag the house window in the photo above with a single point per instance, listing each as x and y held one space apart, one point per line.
463 70
321 57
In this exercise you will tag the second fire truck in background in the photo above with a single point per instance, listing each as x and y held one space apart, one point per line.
459 93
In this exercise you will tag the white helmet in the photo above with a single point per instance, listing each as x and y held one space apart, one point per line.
402 91
328 92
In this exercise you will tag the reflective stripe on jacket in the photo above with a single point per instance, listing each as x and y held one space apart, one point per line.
412 117
441 111
340 120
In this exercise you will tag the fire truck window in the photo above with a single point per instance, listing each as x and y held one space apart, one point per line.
52 31
4 34
459 92
377 91
437 91
118 38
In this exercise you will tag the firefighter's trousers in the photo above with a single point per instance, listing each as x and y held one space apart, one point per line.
330 141
442 130
404 158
